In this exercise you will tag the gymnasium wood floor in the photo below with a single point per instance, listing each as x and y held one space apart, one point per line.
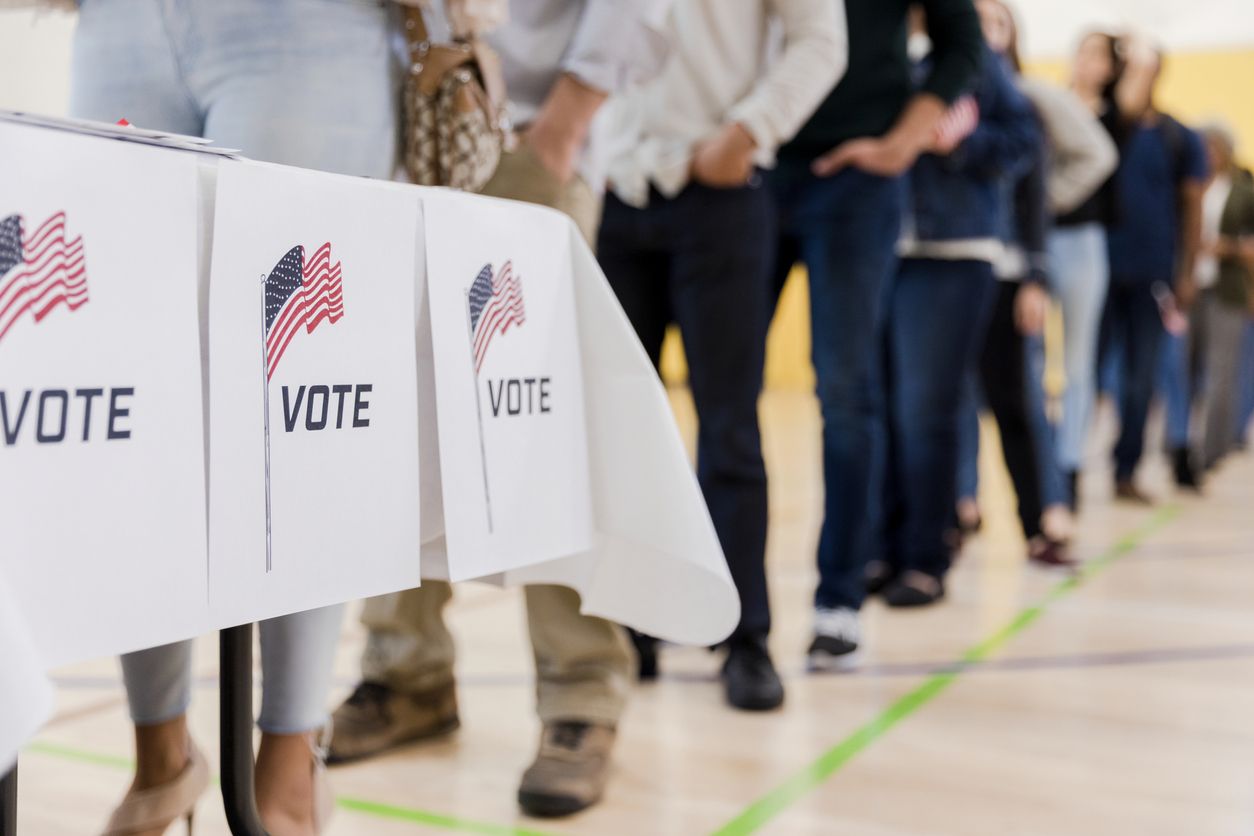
1119 705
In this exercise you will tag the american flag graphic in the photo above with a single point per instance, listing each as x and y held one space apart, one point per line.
958 123
496 303
39 271
300 293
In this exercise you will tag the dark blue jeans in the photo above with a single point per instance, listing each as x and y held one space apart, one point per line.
844 229
703 260
937 318
1132 332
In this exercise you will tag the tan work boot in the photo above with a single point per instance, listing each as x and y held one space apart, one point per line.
376 718
570 771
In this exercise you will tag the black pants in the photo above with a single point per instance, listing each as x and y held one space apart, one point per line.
1132 329
702 260
1003 375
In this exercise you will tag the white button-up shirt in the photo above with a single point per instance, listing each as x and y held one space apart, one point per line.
766 64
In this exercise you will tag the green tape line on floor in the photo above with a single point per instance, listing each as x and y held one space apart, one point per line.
834 759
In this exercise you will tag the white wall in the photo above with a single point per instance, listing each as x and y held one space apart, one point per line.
35 48
1051 27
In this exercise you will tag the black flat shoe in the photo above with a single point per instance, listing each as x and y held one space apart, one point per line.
879 574
646 656
914 589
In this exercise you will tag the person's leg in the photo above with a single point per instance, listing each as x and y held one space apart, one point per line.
935 327
124 66
297 660
968 476
1144 333
1002 371
584 665
1082 275
1223 356
723 243
310 84
407 690
300 82
1245 407
848 227
1175 384
632 249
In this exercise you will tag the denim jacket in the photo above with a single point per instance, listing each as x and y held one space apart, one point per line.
964 195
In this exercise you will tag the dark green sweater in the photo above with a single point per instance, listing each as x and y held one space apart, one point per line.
877 84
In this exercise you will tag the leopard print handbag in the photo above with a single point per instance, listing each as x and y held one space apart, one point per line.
455 124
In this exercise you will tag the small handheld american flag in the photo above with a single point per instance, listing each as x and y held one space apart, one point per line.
496 303
39 271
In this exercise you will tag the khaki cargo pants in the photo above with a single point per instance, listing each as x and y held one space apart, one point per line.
584 665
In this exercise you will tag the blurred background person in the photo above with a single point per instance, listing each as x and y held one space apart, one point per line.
1153 250
936 317
688 235
560 60
1227 267
1115 84
840 198
1075 158
261 78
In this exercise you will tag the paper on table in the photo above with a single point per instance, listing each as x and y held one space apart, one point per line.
657 565
26 696
315 491
508 383
102 488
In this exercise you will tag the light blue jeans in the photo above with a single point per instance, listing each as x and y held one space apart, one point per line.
1080 273
311 83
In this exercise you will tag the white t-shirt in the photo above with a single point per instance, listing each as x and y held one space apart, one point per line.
1213 204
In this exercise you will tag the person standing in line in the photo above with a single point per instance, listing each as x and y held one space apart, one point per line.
1114 79
1153 251
1077 156
1227 266
937 312
840 199
560 60
688 234
259 77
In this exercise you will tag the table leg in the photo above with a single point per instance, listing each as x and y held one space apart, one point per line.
235 647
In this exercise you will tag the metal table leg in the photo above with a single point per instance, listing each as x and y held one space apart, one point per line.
236 720
8 803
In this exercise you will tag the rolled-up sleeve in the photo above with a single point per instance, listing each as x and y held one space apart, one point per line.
618 43
814 58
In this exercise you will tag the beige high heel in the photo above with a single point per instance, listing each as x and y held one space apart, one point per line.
324 799
158 807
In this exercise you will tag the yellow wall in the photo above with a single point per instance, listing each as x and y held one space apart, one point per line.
1196 86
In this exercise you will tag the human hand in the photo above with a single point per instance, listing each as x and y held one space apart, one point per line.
880 155
1031 303
1185 292
725 160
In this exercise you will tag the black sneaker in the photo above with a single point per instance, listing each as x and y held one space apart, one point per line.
837 635
749 677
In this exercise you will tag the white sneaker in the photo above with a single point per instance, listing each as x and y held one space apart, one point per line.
837 635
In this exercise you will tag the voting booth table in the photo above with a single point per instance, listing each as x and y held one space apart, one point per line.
230 391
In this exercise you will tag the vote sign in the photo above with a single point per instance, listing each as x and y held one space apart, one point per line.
314 421
102 470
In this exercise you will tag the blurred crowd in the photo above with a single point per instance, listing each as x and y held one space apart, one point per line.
941 202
